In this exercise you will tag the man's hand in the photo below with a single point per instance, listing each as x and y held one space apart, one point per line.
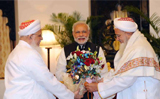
100 80
91 87
76 95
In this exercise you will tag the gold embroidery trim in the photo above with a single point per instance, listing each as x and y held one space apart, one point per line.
137 62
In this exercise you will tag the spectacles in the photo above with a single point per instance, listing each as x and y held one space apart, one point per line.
39 35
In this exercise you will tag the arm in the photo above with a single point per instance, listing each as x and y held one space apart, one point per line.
37 69
107 89
105 69
61 66
115 85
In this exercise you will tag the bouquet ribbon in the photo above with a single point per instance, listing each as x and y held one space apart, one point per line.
89 80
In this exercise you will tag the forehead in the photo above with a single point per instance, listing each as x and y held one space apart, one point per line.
39 32
118 31
81 26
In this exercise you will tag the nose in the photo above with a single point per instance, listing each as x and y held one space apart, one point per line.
117 38
80 34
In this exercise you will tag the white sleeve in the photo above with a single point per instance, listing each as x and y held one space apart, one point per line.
61 66
115 85
105 69
40 73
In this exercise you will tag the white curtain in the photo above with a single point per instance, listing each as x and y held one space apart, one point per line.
4 43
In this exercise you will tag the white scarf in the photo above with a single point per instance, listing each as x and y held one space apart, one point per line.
138 59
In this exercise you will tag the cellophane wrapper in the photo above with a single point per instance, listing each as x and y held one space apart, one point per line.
68 82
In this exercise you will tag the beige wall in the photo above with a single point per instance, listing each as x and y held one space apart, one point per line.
154 8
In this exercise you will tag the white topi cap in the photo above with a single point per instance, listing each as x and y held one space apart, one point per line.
29 27
125 24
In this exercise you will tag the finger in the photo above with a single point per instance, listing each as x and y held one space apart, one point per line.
90 90
86 84
78 89
87 89
80 96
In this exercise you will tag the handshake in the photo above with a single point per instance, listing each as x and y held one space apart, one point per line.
90 87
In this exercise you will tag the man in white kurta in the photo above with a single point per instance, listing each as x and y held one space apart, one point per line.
80 31
137 71
26 75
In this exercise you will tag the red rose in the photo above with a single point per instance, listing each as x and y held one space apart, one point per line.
78 53
92 61
89 61
97 58
73 52
102 66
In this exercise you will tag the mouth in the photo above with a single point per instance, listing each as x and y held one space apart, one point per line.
81 39
120 41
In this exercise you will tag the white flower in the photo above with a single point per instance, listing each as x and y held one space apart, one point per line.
87 51
75 55
97 70
83 51
92 67
70 56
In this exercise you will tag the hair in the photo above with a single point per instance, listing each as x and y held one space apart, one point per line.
79 22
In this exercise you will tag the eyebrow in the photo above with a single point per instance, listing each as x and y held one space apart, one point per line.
81 31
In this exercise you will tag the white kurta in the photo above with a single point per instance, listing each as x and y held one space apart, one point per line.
137 72
61 65
27 76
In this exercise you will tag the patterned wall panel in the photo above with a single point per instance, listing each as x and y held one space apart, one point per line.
4 43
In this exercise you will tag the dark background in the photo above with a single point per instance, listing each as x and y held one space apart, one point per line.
7 7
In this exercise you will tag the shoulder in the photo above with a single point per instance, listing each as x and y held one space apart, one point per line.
143 50
92 45
142 45
26 52
70 45
22 55
69 48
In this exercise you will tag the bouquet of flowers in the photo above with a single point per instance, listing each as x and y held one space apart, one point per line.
83 64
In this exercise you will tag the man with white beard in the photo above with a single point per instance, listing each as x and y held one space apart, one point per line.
26 75
137 70
80 31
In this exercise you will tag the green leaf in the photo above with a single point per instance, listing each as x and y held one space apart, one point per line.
68 71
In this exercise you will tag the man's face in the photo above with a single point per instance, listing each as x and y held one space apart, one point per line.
121 36
36 38
81 33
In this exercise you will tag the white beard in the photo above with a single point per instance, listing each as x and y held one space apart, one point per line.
34 46
86 39
122 48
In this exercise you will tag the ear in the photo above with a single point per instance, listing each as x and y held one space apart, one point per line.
73 34
89 32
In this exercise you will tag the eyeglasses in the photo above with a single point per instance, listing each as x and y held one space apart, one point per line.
39 35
